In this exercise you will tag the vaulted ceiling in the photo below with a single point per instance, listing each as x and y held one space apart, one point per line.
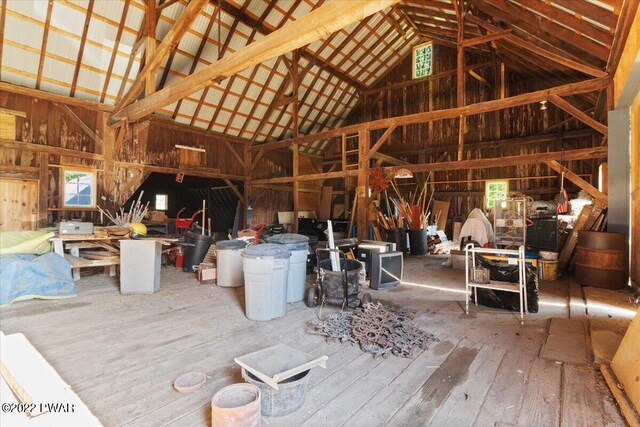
94 49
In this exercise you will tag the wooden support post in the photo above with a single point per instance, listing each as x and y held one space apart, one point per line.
460 76
150 82
247 180
346 179
43 188
296 187
295 82
362 222
108 146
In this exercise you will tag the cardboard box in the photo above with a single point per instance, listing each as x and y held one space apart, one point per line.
207 273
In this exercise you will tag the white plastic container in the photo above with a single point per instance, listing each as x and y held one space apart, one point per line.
140 266
229 263
298 244
266 269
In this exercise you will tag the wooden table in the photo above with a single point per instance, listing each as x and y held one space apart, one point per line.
74 243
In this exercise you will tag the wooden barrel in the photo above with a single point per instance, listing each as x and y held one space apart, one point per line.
601 259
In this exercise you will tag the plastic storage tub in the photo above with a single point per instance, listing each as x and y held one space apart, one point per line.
266 268
297 278
229 263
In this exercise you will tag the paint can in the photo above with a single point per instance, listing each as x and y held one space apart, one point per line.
547 270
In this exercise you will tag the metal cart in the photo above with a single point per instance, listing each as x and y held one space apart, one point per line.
336 287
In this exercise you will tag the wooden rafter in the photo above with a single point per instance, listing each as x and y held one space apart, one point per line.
472 109
486 38
575 112
263 91
169 43
587 69
227 89
308 55
579 25
83 40
116 45
545 30
196 57
43 48
221 52
3 14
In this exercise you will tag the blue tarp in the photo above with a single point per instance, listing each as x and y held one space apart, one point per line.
24 277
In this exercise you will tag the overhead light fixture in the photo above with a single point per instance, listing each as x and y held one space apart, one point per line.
543 105
403 174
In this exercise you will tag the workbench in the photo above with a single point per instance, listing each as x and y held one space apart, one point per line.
109 257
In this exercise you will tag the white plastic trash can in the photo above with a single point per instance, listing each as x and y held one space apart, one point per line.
266 268
297 278
229 263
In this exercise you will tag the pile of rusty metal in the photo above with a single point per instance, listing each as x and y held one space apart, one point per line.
377 329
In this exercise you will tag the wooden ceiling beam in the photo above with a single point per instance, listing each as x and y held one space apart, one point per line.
258 100
196 58
3 14
591 11
169 43
580 115
305 53
571 21
116 45
472 109
545 30
531 47
320 23
523 159
43 46
486 38
222 50
83 40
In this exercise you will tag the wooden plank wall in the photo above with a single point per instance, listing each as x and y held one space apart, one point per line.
146 143
419 143
49 125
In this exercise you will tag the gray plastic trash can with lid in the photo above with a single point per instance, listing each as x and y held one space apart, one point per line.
297 278
266 268
229 263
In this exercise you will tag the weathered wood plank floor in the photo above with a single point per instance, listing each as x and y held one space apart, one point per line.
122 353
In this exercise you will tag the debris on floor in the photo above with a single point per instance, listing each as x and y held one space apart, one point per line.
377 329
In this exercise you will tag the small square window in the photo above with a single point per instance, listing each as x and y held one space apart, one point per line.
495 189
79 189
162 201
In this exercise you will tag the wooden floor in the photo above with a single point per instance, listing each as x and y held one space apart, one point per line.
122 353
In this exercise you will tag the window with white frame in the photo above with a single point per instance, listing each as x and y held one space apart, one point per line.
79 189
162 202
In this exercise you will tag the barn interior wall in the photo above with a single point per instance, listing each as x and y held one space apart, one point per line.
488 135
50 137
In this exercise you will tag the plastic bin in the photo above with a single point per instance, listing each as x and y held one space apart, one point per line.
140 266
297 278
266 268
194 255
229 263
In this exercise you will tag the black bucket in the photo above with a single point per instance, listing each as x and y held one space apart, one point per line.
194 255
418 242
399 237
